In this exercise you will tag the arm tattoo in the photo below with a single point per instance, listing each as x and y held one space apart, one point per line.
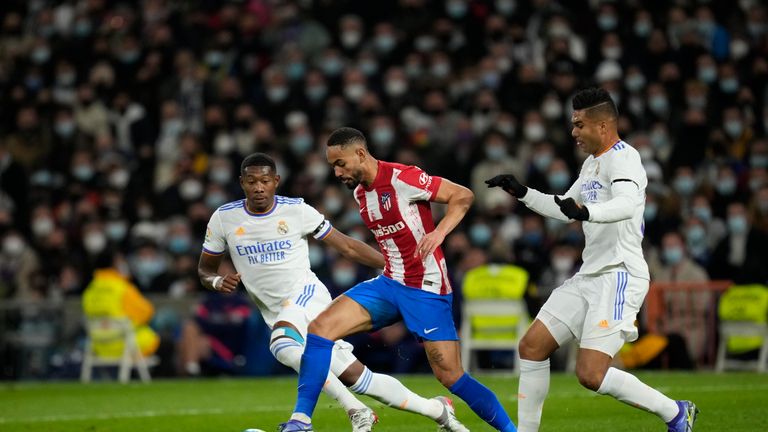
435 356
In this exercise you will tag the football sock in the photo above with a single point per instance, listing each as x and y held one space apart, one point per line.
313 372
483 402
288 352
532 390
630 390
392 392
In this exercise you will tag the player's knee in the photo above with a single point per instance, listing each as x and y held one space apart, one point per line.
286 346
319 327
530 350
590 378
448 377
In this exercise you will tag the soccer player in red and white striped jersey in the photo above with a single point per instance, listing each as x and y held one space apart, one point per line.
394 203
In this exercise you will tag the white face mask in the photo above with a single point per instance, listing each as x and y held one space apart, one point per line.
118 179
43 226
13 246
552 109
534 132
354 92
94 242
396 88
562 264
190 189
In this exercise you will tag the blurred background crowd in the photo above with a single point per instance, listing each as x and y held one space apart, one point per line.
123 124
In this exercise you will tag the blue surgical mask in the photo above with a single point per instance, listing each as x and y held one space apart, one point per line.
542 161
559 180
695 234
737 224
301 144
277 94
707 74
383 136
684 185
607 22
215 199
643 28
149 268
729 85
331 66
726 186
733 128
758 161
658 104
65 129
116 230
295 71
385 43
703 213
83 172
495 152
480 234
316 93
456 9
179 244
673 255
634 82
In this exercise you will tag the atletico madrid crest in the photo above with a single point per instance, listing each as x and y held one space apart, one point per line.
386 200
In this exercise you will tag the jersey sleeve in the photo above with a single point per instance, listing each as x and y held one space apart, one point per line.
215 242
419 186
314 223
627 167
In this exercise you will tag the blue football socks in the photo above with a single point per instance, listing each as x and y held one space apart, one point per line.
315 363
483 402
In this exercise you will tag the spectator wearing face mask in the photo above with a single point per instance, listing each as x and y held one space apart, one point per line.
686 311
495 160
740 256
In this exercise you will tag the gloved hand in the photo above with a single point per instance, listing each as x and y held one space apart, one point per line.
509 183
574 211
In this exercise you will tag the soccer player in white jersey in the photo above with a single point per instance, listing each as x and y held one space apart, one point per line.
598 306
394 202
266 238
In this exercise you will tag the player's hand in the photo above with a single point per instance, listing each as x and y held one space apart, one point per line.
509 183
428 244
574 211
228 283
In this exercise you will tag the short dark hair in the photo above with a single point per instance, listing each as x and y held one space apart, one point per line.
258 159
346 135
597 100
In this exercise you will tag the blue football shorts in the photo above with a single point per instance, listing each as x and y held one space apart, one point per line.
427 315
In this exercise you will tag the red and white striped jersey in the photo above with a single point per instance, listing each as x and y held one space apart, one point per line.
397 211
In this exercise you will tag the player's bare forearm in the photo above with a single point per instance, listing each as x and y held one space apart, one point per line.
207 271
354 250
459 199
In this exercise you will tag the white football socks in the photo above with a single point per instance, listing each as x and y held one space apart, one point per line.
532 390
630 390
288 352
388 390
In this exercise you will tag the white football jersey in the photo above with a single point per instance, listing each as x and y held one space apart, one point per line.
269 250
610 240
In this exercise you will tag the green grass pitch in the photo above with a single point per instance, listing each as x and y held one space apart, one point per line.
728 402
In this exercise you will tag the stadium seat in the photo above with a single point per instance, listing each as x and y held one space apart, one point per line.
494 314
743 313
104 330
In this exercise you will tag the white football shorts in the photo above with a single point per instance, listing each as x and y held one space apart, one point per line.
599 311
309 299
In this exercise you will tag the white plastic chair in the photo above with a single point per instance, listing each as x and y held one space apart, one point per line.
741 328
470 342
105 330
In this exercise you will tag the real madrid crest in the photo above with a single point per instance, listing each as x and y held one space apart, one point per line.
282 227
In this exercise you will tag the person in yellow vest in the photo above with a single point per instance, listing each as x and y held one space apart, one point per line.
111 294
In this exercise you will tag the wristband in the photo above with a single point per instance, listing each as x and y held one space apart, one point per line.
216 281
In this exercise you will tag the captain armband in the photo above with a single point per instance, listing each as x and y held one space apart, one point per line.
322 230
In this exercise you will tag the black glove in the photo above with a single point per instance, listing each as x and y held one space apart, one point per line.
509 183
569 208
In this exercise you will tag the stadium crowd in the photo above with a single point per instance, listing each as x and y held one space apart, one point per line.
123 124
